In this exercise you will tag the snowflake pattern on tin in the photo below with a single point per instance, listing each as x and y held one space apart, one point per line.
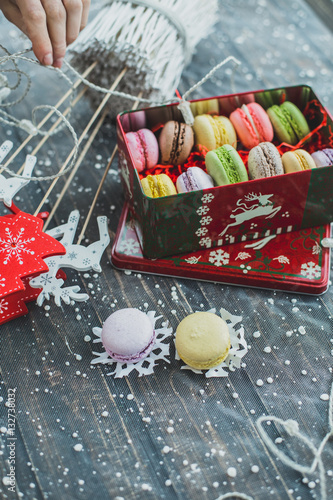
219 257
206 242
130 247
202 210
311 270
202 231
207 198
238 348
160 352
13 246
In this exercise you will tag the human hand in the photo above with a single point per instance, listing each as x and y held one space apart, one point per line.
51 25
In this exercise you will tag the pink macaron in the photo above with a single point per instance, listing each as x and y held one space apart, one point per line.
252 125
133 121
143 146
128 335
193 179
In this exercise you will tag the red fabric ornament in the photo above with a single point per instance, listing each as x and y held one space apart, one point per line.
23 246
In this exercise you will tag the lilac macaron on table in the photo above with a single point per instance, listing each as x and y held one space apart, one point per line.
128 335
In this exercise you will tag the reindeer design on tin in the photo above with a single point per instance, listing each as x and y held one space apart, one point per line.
263 206
77 257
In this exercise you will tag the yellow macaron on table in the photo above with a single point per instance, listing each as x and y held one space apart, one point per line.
175 342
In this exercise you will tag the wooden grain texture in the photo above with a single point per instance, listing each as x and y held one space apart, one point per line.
174 434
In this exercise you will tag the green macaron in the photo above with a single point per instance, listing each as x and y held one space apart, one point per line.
288 122
225 166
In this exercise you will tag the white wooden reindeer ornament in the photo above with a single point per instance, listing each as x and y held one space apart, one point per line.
76 257
11 185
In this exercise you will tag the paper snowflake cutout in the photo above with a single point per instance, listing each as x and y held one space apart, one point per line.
160 352
238 348
310 270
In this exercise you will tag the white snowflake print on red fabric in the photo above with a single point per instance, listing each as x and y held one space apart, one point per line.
311 270
14 246
2 281
219 257
3 306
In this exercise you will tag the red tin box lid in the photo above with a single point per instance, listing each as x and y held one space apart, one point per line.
294 262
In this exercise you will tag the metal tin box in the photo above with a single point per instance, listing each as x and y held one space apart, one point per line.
222 215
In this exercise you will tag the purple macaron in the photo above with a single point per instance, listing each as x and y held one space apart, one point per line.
128 335
193 179
323 158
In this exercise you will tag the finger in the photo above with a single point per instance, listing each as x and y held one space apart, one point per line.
35 27
85 13
56 25
73 22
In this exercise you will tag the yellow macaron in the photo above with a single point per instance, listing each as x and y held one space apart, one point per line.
297 160
214 131
156 186
202 340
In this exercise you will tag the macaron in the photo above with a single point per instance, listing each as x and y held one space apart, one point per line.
206 106
202 340
225 166
193 179
297 160
143 146
268 98
252 124
323 158
213 131
228 104
175 142
128 335
133 121
289 123
264 160
156 186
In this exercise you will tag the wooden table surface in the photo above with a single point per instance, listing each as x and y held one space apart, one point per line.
81 433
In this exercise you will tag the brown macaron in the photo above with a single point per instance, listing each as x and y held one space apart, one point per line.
176 141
